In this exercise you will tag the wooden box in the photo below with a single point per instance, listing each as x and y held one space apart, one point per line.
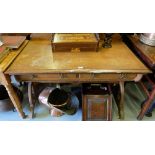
74 42
97 104
4 51
13 42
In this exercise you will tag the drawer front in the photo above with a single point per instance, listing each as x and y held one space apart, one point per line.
76 77
39 77
96 107
113 77
74 47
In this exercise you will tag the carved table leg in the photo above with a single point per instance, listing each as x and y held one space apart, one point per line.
146 105
31 98
110 104
6 81
110 108
121 103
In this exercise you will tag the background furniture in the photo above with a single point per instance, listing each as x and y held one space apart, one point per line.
27 35
145 53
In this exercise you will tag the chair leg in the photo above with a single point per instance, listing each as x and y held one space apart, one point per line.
146 105
121 103
110 104
31 99
110 108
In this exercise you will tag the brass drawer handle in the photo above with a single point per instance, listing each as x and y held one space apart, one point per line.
92 75
78 76
61 76
34 76
75 49
123 76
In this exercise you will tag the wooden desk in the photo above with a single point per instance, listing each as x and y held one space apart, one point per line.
147 55
5 79
37 63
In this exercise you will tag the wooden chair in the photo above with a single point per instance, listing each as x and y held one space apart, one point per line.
150 97
147 55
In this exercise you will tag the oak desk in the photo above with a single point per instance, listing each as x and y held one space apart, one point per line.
37 63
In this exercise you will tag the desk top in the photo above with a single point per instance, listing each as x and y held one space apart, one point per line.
145 52
37 57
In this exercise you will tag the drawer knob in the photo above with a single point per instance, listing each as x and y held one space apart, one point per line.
78 76
92 75
61 76
123 76
34 76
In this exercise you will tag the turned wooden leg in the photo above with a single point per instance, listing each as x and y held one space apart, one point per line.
84 108
110 104
110 108
6 81
146 105
31 99
121 103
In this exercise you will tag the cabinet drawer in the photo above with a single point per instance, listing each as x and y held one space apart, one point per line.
97 107
76 77
52 77
85 76
39 77
68 76
111 77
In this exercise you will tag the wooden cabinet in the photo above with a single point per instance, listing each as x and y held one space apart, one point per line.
97 103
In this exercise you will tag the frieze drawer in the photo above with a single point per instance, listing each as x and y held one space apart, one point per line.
39 77
76 77
111 77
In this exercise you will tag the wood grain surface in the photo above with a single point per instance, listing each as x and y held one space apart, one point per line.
37 57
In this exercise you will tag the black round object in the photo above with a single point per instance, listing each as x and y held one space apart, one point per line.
3 93
58 97
148 113
5 102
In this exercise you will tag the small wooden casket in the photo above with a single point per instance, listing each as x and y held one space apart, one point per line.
97 103
4 51
74 42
